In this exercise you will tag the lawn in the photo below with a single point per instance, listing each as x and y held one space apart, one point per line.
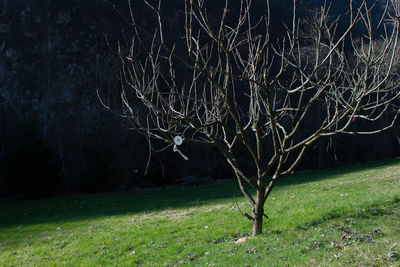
344 216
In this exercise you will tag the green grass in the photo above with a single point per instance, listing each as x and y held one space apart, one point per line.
347 216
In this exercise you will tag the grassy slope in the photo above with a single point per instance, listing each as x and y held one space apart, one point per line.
331 217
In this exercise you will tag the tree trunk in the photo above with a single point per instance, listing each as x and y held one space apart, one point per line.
258 209
257 223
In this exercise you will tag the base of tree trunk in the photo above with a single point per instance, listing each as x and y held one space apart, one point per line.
257 225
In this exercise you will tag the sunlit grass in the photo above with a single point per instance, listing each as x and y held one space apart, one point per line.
347 216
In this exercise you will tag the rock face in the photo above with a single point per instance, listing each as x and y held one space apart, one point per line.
53 58
55 62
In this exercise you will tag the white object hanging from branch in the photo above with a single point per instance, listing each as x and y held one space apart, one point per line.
178 140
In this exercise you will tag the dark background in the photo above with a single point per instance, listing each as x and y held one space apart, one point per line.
56 138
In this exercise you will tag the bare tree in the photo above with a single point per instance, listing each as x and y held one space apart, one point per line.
242 88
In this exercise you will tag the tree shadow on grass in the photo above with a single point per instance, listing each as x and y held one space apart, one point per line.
28 212
64 209
310 176
385 208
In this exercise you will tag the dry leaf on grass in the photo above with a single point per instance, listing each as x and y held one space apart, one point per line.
241 240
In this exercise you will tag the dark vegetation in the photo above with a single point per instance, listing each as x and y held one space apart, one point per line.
56 138
32 167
